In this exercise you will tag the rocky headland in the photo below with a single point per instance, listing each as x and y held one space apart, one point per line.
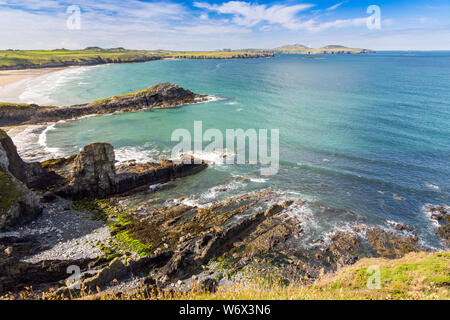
162 95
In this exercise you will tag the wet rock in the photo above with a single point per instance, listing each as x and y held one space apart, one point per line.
129 178
272 233
273 210
390 245
441 214
344 249
402 227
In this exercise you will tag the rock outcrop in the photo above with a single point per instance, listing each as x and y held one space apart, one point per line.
18 204
93 171
390 245
137 175
16 274
162 95
441 214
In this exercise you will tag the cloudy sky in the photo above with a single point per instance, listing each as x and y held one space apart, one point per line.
212 24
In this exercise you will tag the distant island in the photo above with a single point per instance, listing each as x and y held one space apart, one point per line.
301 49
24 59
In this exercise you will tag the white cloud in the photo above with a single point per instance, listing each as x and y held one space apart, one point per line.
206 29
32 4
249 14
311 25
337 5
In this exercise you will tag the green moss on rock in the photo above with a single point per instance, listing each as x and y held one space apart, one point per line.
10 192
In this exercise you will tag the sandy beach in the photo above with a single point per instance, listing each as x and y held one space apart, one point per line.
11 76
14 82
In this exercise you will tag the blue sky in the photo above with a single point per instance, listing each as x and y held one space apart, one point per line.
212 24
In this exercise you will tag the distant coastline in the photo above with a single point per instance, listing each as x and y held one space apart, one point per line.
60 58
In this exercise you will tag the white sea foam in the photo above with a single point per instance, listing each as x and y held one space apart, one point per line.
252 179
212 98
432 186
139 154
31 142
428 213
40 89
217 157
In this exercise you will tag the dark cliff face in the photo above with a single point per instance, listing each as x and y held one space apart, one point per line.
18 204
162 95
15 165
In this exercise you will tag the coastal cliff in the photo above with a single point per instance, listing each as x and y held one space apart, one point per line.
18 204
33 59
173 241
162 95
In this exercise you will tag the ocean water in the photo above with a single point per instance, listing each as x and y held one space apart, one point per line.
363 138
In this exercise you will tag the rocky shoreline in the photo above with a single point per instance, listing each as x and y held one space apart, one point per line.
74 212
162 95
77 219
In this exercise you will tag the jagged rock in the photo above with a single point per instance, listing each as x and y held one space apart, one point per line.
131 177
27 173
271 233
18 204
115 270
143 265
194 252
343 249
273 210
390 245
16 274
441 214
93 172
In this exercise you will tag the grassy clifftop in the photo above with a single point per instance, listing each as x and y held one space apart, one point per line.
21 59
61 57
416 276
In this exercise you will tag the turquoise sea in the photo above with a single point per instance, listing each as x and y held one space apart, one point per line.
364 138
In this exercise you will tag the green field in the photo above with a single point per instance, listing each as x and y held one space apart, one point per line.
61 57
21 59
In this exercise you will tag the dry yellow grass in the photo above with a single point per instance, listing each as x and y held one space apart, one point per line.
424 276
